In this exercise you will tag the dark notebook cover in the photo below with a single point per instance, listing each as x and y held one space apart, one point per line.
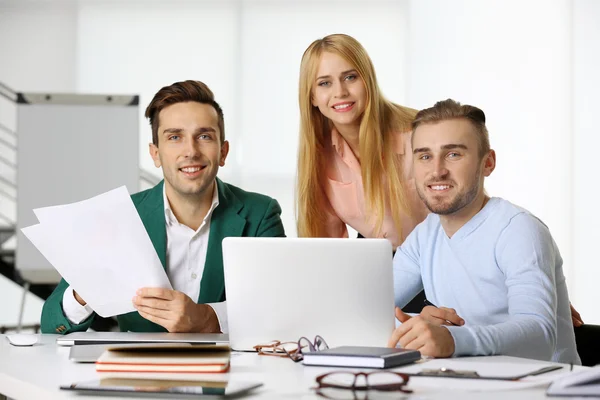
359 356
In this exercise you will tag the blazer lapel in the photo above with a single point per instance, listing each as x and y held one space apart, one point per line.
152 213
225 222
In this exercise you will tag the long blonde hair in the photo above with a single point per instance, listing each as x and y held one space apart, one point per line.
380 166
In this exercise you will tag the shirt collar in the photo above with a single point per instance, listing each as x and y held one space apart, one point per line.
170 216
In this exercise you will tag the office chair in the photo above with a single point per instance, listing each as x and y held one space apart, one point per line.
587 339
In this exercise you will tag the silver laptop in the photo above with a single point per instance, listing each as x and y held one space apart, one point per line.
284 288
77 338
89 353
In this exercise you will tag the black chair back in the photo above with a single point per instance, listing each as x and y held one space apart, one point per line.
587 338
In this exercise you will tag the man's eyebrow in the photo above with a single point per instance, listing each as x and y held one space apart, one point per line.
205 129
329 76
444 147
172 130
454 146
202 129
421 150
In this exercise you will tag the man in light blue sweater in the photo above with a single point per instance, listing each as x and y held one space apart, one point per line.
490 262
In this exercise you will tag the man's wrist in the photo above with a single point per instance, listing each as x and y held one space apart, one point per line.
209 323
79 299
451 343
73 310
464 342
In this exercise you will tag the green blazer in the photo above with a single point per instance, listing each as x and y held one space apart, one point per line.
239 213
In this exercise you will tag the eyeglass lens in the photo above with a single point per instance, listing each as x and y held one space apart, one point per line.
375 380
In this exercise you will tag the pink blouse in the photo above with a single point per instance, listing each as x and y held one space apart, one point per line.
344 189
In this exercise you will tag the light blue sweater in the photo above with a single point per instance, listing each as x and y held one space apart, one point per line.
502 272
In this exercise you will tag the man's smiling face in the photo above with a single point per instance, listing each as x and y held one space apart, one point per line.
448 168
189 148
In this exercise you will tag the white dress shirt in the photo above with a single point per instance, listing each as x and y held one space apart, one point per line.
186 256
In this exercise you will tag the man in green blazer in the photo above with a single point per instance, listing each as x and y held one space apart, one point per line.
186 216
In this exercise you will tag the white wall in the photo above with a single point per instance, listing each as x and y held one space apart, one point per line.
37 53
37 45
586 142
274 36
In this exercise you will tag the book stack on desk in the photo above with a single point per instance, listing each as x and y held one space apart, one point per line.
165 358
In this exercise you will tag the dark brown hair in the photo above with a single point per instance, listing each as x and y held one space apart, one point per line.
181 92
451 109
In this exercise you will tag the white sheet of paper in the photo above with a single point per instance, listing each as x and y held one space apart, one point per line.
500 368
101 248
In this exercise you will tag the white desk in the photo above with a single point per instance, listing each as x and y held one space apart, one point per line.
36 373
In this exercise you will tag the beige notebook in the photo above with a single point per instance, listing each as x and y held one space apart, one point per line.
172 358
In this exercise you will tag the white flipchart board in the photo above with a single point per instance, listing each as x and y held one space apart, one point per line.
70 147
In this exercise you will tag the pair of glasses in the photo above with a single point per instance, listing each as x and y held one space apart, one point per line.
292 350
343 384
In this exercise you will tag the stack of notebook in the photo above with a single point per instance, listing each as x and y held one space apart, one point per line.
165 358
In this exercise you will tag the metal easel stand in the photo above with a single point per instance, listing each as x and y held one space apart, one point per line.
26 286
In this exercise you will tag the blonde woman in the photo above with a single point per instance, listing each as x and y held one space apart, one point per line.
355 158
354 164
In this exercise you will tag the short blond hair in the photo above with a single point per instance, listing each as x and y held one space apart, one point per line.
450 109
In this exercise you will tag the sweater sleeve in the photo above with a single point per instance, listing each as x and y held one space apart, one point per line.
527 256
407 271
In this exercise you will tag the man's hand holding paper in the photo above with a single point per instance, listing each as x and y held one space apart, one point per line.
175 311
101 248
